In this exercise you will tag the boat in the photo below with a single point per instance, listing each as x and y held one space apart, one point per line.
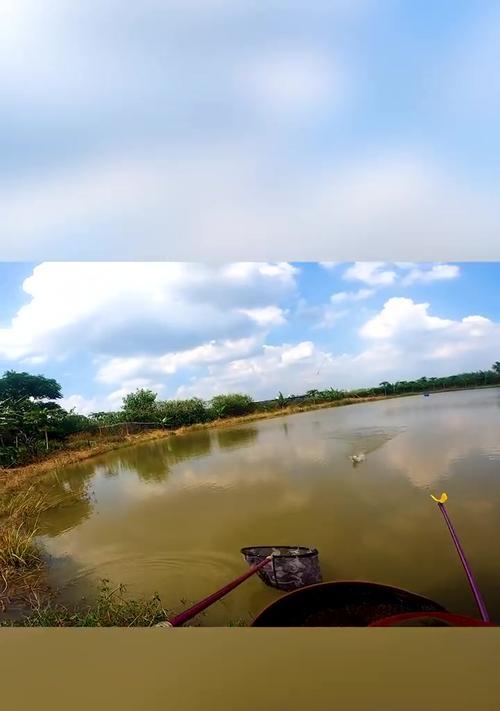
348 603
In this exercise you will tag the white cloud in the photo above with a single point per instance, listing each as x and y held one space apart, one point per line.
297 353
372 273
342 296
290 81
400 314
329 317
384 274
267 316
109 401
179 196
405 265
438 272
403 341
273 368
191 170
408 339
116 370
132 309
81 404
329 265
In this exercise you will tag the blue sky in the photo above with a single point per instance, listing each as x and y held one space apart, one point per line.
102 329
217 132
233 129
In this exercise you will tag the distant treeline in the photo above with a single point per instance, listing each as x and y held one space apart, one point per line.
32 423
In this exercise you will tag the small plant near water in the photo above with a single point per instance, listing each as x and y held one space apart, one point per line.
110 609
17 547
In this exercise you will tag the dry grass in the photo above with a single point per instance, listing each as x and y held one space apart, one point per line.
17 547
21 562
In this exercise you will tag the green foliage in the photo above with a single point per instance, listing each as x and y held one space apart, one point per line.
104 419
281 400
17 387
181 413
28 416
140 406
231 405
386 386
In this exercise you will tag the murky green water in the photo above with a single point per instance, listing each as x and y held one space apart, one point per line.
172 516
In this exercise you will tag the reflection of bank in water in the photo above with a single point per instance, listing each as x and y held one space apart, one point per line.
236 438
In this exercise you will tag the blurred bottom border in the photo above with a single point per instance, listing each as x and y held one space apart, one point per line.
240 669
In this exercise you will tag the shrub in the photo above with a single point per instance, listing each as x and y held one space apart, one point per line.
232 405
180 413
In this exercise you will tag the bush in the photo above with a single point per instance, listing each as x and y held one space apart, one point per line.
141 406
180 413
232 405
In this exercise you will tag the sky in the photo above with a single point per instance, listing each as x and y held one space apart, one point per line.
237 129
104 329
228 136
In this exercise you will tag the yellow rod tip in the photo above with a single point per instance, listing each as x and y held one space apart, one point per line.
442 498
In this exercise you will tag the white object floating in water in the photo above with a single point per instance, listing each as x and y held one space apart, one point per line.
356 458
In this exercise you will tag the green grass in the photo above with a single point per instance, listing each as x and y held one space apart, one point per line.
111 609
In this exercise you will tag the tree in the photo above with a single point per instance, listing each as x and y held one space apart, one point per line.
281 400
27 414
16 388
140 406
496 367
385 384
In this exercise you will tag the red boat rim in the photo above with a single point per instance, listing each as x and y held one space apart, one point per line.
455 620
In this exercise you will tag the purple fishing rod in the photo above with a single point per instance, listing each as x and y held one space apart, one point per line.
468 571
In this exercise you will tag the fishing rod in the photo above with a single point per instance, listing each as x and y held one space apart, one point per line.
468 571
191 612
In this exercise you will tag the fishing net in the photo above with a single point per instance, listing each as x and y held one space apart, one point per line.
291 567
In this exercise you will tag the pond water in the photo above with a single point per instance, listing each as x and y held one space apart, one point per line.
171 516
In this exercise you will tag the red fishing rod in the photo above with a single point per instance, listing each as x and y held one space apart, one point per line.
468 571
191 612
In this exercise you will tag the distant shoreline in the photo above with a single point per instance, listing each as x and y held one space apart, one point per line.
15 477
